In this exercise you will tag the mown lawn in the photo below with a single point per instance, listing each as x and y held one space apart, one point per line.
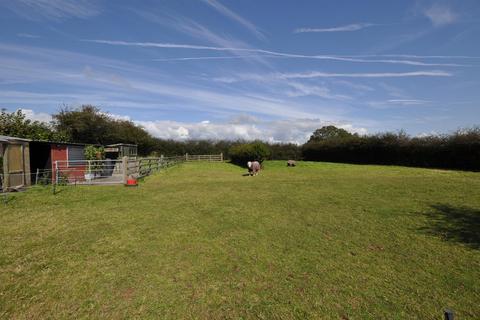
202 241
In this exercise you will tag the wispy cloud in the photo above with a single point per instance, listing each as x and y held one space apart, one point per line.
27 35
266 52
198 31
205 58
346 28
302 89
236 17
413 56
409 102
317 74
399 103
365 75
440 15
53 9
107 82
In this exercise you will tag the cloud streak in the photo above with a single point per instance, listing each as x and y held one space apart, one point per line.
56 10
346 28
235 17
316 74
27 35
440 15
110 83
266 52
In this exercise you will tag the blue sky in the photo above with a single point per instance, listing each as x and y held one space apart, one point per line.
274 70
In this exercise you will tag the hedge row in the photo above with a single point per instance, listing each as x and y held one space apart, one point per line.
460 150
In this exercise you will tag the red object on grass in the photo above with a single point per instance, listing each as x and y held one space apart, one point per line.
132 182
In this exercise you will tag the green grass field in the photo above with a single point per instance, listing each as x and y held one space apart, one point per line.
200 240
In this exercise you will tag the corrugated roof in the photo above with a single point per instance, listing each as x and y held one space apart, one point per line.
63 143
121 144
12 139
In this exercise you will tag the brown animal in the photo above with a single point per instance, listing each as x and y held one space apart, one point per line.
291 163
253 167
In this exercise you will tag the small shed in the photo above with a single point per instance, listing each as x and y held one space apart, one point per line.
15 167
119 150
44 154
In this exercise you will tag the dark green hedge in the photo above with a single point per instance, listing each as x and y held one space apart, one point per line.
460 150
240 154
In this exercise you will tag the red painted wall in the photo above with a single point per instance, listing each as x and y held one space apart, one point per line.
59 152
73 172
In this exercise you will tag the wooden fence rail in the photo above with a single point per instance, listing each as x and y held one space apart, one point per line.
145 166
204 157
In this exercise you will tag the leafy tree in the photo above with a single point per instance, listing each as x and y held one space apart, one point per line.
328 133
17 125
240 154
88 124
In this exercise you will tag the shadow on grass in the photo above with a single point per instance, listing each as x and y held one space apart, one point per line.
456 224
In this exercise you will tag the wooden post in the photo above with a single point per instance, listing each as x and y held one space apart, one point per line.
26 165
125 169
6 178
186 156
36 176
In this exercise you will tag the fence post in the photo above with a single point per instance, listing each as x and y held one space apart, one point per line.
36 176
6 173
186 156
221 156
55 180
125 169
56 172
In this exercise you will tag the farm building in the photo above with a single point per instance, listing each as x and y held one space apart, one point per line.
69 158
119 150
44 154
15 167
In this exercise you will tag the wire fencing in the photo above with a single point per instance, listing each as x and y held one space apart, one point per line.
94 172
88 172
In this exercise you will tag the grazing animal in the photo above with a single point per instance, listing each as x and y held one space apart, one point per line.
253 167
291 163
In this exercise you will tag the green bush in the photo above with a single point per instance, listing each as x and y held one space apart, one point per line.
460 150
94 153
240 154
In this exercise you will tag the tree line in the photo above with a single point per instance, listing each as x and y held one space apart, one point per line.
88 124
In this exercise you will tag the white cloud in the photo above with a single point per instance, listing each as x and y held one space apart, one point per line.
34 116
413 56
195 30
301 89
398 103
234 16
127 85
247 128
240 127
349 27
27 35
318 74
409 102
440 15
315 74
53 9
225 45
206 58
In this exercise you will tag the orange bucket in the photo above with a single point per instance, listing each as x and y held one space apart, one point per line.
131 182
